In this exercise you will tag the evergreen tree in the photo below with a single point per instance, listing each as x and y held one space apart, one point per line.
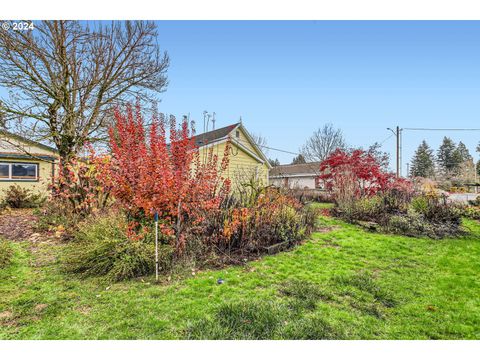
274 162
423 162
299 159
463 153
448 157
478 162
466 170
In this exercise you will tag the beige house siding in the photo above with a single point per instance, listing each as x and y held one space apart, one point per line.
245 161
14 151
300 182
241 164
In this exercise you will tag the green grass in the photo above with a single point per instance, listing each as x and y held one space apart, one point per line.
343 284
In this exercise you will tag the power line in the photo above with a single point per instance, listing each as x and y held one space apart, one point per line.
388 138
435 129
285 151
270 148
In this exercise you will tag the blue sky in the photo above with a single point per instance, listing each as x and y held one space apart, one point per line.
287 78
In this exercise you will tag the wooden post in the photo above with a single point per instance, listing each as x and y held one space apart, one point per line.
397 133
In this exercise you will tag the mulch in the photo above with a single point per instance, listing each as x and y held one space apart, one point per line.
17 224
20 225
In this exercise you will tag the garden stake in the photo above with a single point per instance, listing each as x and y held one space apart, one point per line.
156 246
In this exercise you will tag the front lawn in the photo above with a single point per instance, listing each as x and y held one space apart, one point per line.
344 283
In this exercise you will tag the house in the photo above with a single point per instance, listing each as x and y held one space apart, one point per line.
26 163
246 160
32 165
298 176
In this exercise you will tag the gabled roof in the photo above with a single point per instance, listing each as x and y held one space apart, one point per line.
221 134
27 141
312 169
214 135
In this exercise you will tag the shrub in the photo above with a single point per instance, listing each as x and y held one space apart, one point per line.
18 197
471 212
363 209
436 210
82 186
475 202
306 196
6 254
101 247
397 209
55 213
409 225
354 174
148 174
274 218
416 224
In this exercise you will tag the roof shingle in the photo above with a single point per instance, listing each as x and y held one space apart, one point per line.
213 135
297 169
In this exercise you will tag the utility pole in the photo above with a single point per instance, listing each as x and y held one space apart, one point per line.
397 133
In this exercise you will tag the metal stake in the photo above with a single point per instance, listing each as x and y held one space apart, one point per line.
156 246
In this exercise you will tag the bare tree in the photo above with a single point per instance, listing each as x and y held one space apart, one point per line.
64 77
260 141
382 157
322 143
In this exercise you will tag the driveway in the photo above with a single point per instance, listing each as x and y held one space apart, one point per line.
462 197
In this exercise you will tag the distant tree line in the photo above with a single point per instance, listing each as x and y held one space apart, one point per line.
450 161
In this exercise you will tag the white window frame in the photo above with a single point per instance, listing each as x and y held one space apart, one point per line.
10 171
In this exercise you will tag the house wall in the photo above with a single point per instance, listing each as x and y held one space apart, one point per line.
40 186
295 182
241 164
44 168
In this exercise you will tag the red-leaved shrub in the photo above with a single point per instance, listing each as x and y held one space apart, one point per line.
149 174
356 174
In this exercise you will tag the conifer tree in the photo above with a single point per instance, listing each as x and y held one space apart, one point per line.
448 157
423 162
299 159
463 153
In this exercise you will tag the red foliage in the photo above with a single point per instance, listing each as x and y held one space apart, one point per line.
273 218
325 212
359 171
149 175
82 185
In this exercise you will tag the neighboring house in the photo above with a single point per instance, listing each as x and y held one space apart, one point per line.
246 160
25 162
298 176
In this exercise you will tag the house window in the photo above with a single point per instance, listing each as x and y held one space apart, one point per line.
19 171
237 134
4 171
